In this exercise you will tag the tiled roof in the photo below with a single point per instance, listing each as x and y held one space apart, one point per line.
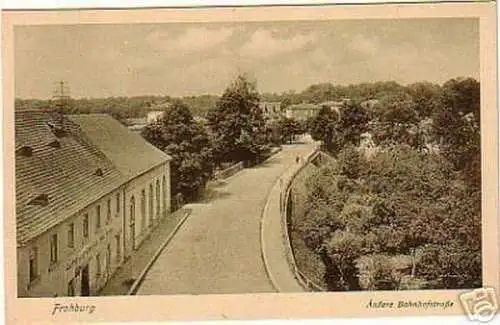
65 173
128 151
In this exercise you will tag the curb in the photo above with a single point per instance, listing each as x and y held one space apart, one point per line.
262 241
135 286
287 176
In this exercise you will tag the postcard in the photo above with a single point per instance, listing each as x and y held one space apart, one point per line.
259 162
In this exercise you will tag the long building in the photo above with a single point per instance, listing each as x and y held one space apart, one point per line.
88 192
271 110
302 111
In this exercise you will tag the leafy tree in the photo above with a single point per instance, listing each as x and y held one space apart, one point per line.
285 102
376 272
457 125
350 162
398 108
324 127
353 122
180 136
289 128
426 97
401 206
237 123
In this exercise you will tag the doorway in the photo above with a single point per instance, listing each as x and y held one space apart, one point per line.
85 286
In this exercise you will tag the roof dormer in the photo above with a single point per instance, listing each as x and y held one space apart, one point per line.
41 200
25 151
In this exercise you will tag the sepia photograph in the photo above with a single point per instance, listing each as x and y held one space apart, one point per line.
239 156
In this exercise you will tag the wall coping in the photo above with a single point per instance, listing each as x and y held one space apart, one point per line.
304 280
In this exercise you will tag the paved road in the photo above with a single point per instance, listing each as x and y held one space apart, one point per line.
217 250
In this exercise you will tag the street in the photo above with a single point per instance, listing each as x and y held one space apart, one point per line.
218 250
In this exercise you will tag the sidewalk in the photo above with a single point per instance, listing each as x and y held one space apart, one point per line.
122 280
274 244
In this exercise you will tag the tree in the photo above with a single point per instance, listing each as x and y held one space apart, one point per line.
237 123
402 219
350 162
457 125
426 97
353 122
179 135
289 128
398 108
324 127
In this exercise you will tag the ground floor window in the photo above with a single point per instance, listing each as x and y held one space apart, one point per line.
53 249
108 258
158 196
118 248
164 194
33 266
98 265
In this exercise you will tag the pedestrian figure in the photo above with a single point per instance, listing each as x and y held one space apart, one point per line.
297 159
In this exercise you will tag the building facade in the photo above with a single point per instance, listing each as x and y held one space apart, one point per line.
154 116
302 111
76 179
271 110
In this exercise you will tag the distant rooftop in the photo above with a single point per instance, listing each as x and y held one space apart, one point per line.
304 106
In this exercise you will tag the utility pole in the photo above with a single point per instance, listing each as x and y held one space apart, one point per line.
60 99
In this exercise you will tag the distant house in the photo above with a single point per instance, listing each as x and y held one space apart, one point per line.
302 111
154 116
84 201
334 105
271 109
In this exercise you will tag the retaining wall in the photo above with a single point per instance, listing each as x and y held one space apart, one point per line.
286 214
230 171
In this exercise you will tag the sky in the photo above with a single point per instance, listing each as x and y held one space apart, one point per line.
191 58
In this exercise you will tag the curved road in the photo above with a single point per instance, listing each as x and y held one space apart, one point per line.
217 249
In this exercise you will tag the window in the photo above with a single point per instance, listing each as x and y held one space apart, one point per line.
71 235
117 204
108 211
86 225
98 217
118 248
53 249
158 198
151 204
164 194
143 210
108 258
71 288
98 265
132 210
33 267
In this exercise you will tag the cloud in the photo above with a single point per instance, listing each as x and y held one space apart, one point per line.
263 44
196 39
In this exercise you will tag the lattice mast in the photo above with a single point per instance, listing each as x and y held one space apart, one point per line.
60 100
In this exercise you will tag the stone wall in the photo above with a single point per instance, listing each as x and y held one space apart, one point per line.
308 267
